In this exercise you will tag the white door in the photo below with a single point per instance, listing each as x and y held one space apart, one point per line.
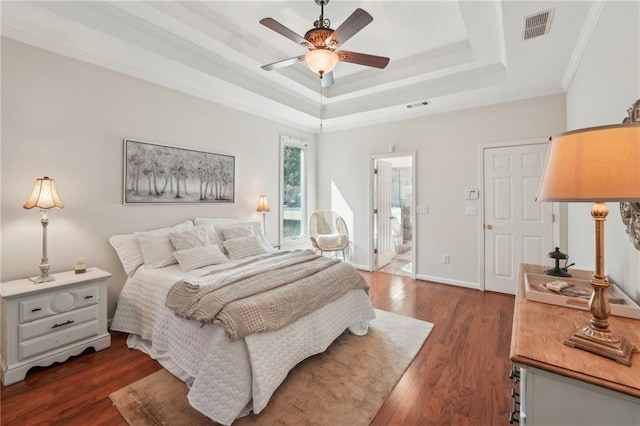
384 239
517 228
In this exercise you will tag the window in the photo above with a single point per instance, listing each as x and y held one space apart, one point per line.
294 192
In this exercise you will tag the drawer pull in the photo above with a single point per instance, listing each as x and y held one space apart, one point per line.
512 418
64 323
36 309
88 297
514 375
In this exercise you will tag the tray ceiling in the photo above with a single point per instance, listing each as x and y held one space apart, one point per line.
453 54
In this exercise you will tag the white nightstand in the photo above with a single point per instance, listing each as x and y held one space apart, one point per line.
49 322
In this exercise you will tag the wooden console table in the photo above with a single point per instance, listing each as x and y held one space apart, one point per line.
562 385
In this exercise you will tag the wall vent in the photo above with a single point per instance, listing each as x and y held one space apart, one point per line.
537 24
418 104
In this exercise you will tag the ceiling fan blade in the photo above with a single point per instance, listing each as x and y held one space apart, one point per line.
327 79
283 63
363 59
354 23
276 26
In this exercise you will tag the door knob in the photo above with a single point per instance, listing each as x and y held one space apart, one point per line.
489 226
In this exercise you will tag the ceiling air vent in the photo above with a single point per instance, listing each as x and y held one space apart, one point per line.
418 104
537 24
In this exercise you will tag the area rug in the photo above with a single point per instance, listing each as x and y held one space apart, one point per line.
345 385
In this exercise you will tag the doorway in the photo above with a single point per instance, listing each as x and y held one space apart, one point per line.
393 213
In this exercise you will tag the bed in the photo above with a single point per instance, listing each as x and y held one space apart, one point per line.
228 374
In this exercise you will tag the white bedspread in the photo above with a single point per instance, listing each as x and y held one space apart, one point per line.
227 379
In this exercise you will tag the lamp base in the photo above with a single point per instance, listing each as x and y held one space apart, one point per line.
603 343
42 279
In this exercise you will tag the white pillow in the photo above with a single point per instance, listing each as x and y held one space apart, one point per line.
156 247
212 235
157 250
327 241
237 232
214 226
198 257
128 251
183 226
245 229
194 237
240 248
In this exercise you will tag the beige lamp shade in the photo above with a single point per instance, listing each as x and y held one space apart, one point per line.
263 204
321 61
597 164
44 195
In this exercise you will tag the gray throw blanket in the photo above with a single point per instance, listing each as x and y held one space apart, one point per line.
265 293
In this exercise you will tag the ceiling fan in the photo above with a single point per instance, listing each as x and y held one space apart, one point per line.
322 42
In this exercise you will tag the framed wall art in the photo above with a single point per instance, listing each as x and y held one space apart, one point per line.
158 174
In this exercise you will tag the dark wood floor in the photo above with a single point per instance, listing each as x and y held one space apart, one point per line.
458 378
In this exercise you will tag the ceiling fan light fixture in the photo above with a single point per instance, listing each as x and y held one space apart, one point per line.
321 61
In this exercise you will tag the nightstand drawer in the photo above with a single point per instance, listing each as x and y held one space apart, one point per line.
55 303
57 339
55 323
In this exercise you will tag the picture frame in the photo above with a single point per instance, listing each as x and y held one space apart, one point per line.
161 174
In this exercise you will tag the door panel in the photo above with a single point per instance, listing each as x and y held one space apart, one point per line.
517 228
504 263
384 240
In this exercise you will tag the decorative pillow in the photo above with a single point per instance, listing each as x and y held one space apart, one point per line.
128 251
128 248
198 257
194 237
245 229
327 241
157 250
212 235
214 226
237 232
240 248
183 226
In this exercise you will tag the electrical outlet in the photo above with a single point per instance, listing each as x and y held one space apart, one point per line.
471 210
422 209
445 258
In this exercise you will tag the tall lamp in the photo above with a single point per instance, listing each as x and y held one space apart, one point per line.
598 165
44 196
263 207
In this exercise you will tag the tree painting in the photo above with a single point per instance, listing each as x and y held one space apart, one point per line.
164 174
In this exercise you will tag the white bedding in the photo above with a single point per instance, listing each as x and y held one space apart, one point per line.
227 379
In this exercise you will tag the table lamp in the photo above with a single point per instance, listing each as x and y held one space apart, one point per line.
263 207
44 196
598 164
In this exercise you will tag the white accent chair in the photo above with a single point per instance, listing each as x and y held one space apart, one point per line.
328 232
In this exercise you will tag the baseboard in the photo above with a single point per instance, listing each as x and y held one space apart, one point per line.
441 280
361 267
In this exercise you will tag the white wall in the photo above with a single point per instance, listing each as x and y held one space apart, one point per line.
606 83
446 147
66 119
